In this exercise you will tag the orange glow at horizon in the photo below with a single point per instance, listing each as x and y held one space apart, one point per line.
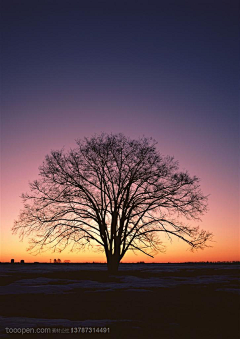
222 219
224 226
225 247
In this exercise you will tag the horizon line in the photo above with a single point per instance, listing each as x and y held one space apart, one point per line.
105 263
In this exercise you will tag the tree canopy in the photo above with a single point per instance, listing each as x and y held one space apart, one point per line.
118 193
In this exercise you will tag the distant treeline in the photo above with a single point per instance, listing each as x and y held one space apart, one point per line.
209 262
190 262
140 262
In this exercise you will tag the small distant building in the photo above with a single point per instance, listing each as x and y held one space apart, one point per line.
22 262
12 261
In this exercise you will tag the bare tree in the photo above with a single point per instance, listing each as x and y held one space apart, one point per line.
114 191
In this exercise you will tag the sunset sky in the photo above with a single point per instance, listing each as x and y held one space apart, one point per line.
163 69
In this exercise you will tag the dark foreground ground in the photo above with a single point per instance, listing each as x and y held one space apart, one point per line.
143 301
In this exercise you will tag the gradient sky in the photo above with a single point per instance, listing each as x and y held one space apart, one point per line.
164 69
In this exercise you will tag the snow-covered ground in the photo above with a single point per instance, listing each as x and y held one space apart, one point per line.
45 268
61 283
127 282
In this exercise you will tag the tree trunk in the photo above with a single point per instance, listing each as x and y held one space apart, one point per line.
113 264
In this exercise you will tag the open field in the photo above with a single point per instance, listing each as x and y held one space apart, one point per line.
144 301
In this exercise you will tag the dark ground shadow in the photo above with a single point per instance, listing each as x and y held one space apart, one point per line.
187 303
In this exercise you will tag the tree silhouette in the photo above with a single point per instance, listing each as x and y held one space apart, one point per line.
117 192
